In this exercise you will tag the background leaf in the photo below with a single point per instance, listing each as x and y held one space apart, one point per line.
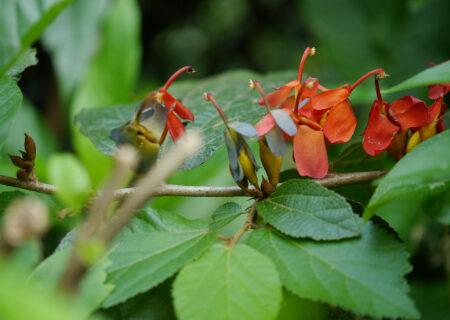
364 275
230 90
353 159
228 283
422 173
10 101
302 208
21 23
433 75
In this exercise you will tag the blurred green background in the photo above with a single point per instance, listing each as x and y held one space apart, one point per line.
106 52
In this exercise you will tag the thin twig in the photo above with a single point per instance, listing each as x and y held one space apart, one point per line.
247 225
330 181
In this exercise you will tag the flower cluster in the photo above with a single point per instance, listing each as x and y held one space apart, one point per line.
302 111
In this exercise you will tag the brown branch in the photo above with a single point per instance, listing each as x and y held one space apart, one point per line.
330 181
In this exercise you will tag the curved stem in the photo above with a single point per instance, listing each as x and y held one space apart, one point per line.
246 226
364 77
188 69
209 97
377 89
308 52
258 86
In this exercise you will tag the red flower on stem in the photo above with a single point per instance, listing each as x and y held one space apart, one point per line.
174 125
437 91
389 124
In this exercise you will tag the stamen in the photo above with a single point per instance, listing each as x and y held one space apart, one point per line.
209 97
257 85
308 52
380 72
187 69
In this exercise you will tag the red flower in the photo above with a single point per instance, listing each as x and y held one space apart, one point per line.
437 91
174 124
388 124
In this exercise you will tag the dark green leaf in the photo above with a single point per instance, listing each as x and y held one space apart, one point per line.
438 207
364 275
302 208
224 215
422 173
295 308
21 23
143 260
10 101
230 90
354 159
228 283
433 75
26 59
155 304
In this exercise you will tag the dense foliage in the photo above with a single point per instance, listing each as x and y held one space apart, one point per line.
310 193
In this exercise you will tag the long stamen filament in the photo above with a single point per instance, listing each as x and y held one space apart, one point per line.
257 85
209 97
308 52
377 89
187 69
380 73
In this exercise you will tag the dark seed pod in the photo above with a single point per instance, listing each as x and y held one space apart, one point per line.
22 174
18 161
30 147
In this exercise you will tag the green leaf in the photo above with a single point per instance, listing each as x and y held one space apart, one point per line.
434 75
80 22
93 289
152 220
294 308
364 275
438 207
143 260
21 23
422 173
10 101
224 214
228 283
354 159
26 59
110 78
302 208
71 179
230 90
155 304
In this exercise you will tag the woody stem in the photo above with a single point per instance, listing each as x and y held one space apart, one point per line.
188 69
209 97
364 77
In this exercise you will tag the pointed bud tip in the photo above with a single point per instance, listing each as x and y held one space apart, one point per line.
252 84
312 51
207 96
381 74
191 70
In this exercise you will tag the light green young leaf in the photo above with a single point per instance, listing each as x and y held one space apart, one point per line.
67 173
228 283
26 59
93 289
21 24
224 214
143 260
230 90
364 275
422 173
433 75
80 22
302 208
10 101
110 78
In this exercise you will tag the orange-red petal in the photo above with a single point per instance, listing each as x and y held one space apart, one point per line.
176 127
379 131
178 107
265 124
277 97
310 92
327 99
310 152
340 123
409 112
438 91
